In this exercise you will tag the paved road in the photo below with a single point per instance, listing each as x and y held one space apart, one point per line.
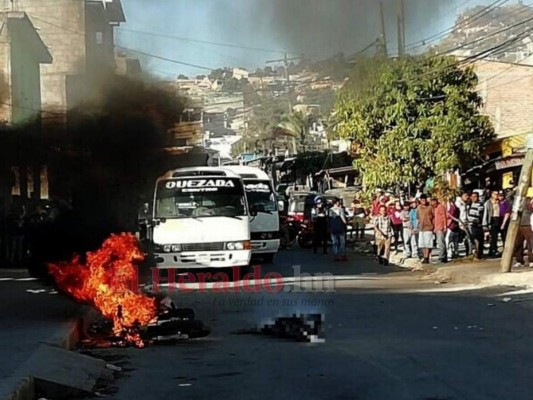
31 314
379 345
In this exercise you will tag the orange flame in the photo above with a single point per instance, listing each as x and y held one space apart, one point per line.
103 281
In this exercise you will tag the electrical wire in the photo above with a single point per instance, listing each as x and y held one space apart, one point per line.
187 39
467 60
422 43
171 60
455 9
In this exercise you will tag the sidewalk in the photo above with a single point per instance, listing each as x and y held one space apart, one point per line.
31 315
484 273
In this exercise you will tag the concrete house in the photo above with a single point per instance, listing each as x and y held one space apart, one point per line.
22 52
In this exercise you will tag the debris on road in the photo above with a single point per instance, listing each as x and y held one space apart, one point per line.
35 291
171 324
113 367
507 299
299 327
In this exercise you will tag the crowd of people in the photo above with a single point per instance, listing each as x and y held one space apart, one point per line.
425 223
330 222
17 231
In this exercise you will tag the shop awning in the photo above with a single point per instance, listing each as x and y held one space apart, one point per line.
286 165
515 160
342 171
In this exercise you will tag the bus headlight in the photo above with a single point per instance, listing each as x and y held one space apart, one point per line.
176 248
234 246
246 245
167 248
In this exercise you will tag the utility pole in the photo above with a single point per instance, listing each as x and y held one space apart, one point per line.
383 36
285 60
401 28
244 116
518 205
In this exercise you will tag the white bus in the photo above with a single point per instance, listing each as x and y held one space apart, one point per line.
200 219
262 198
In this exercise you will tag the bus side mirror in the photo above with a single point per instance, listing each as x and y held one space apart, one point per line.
144 216
281 205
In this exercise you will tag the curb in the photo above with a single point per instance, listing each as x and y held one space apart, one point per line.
407 263
17 388
23 387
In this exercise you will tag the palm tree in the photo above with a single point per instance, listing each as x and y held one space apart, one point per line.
297 125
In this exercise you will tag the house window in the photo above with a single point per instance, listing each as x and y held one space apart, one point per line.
99 38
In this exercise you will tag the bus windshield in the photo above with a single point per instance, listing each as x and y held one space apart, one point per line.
260 194
200 198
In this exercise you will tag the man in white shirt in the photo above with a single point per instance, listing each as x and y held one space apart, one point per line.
462 204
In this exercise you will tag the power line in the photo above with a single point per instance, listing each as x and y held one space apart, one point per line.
513 81
455 9
487 36
439 35
231 45
468 60
146 54
165 58
32 16
476 16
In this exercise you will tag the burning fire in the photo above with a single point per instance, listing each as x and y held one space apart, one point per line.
103 281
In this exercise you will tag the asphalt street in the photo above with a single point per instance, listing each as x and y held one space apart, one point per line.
30 315
379 344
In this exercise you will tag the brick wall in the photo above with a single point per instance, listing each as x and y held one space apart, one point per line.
5 72
61 25
507 91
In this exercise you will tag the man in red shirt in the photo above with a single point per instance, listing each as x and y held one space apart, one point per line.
441 227
380 200
395 211
452 235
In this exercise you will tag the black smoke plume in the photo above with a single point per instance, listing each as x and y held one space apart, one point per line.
102 165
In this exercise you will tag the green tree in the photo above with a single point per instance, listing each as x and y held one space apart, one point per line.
412 118
264 120
220 74
297 125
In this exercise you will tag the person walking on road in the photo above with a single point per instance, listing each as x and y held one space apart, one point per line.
505 214
525 234
337 218
441 228
426 217
383 233
475 224
492 222
320 226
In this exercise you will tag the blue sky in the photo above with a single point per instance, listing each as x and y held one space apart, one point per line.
317 28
